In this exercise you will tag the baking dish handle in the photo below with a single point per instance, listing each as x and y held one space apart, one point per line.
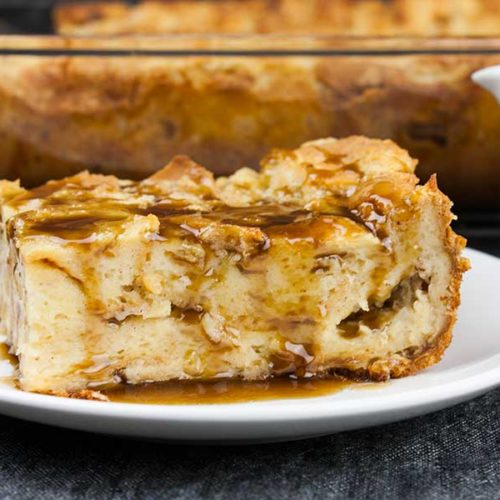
489 79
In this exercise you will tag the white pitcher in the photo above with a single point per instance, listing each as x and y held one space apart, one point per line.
489 79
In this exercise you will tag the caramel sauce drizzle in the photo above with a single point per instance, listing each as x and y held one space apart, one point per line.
74 227
70 211
226 391
288 222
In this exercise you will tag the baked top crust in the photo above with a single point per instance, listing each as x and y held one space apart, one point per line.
341 17
323 177
345 264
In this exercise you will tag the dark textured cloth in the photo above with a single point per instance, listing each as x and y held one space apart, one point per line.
451 454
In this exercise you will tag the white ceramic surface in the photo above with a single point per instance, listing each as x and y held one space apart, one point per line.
470 367
489 79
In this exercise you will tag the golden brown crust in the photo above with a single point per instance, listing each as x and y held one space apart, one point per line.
75 14
454 245
182 166
410 363
339 17
324 175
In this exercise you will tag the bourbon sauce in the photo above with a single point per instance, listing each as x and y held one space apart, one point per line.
226 391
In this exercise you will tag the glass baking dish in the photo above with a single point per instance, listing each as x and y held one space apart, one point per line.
126 104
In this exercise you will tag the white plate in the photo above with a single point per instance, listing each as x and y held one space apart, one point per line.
470 367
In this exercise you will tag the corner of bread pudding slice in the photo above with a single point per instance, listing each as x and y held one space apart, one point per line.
330 261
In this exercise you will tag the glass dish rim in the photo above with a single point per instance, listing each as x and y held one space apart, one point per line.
274 45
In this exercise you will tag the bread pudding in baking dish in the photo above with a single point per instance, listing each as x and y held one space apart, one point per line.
338 17
127 116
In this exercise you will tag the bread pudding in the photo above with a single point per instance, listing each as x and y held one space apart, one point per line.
330 261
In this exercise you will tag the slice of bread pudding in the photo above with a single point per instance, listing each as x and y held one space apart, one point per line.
331 260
